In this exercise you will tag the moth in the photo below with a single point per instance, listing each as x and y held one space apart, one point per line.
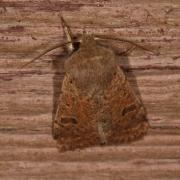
97 105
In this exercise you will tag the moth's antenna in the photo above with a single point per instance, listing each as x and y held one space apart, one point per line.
44 52
69 38
128 51
99 37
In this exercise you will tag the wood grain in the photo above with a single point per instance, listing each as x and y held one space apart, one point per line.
28 97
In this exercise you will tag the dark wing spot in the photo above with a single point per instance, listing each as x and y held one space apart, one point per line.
68 120
128 109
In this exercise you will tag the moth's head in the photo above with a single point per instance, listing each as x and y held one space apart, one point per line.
85 41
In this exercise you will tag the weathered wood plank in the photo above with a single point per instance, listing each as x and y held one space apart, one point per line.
45 140
28 97
114 153
45 168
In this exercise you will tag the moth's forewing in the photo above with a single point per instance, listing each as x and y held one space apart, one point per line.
129 120
76 119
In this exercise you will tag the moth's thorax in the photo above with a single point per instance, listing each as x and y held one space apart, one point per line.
92 66
88 42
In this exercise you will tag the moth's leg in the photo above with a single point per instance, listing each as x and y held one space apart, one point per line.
68 35
74 42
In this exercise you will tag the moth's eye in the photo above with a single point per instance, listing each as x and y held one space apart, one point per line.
76 45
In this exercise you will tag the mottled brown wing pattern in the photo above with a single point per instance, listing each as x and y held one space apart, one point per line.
76 124
127 112
82 122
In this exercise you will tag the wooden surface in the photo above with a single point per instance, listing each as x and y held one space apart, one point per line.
28 97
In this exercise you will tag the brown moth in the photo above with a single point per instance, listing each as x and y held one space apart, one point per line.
97 105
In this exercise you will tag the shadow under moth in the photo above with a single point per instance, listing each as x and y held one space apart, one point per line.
97 105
